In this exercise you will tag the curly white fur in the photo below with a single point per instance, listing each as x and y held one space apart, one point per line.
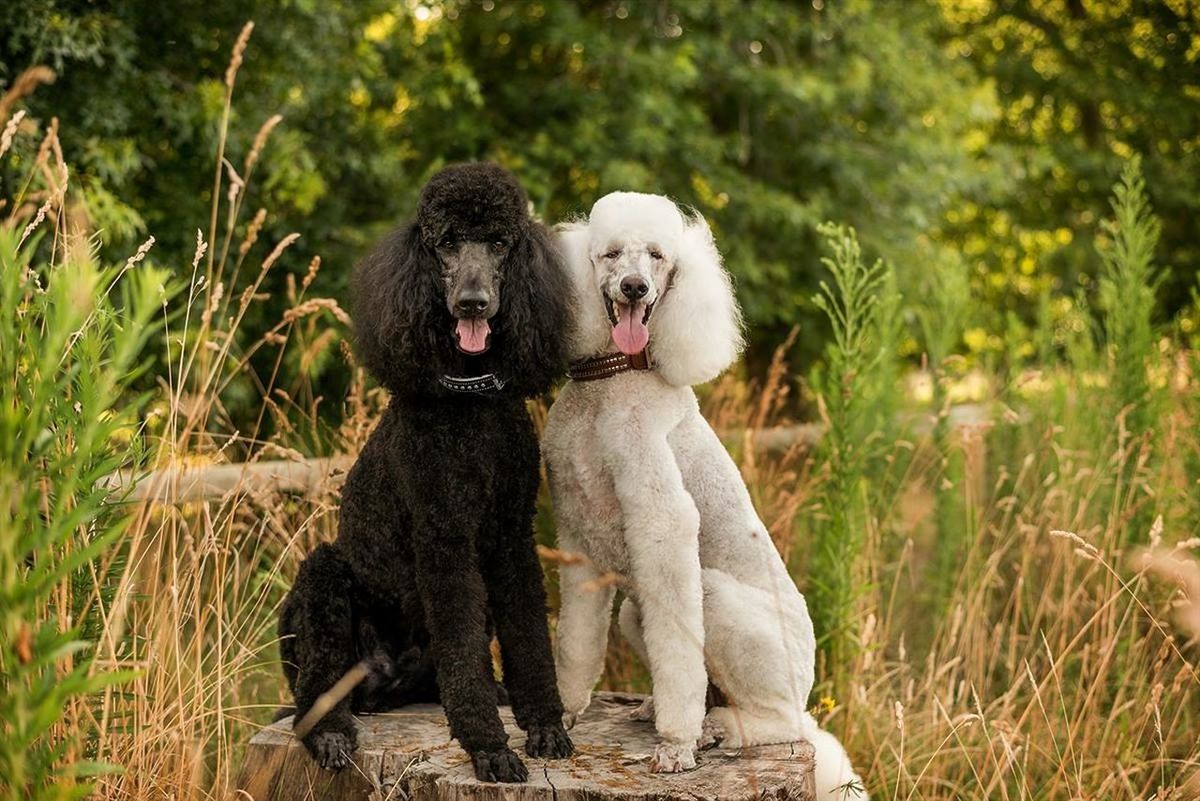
642 486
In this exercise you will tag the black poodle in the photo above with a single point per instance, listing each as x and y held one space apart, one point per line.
461 315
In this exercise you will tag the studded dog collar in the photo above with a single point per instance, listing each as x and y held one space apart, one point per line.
477 385
607 366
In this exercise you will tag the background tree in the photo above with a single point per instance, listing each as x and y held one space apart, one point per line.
766 117
955 136
1081 87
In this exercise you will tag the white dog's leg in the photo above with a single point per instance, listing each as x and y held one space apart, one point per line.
760 649
760 653
631 628
582 633
630 620
661 535
737 728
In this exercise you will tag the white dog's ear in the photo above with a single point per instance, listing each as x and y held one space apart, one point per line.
696 329
590 331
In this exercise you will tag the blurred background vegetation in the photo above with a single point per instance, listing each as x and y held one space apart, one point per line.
976 137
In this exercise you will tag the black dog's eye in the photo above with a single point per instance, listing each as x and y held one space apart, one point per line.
656 254
612 254
447 241
499 244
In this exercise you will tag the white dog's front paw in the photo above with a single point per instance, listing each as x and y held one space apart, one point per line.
673 758
645 712
570 719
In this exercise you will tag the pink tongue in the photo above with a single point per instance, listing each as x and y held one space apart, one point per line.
473 335
630 334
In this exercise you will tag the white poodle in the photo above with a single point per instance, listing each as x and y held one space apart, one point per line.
642 486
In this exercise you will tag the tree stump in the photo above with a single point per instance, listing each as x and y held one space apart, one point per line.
407 755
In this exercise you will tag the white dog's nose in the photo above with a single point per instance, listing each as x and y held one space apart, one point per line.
634 287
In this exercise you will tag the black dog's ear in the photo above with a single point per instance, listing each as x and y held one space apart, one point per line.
535 302
398 311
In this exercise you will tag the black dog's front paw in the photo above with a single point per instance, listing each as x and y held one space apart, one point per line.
548 740
499 766
332 749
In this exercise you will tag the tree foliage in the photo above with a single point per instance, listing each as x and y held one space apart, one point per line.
986 128
766 116
1080 87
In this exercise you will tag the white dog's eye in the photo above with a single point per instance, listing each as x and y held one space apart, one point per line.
612 254
656 254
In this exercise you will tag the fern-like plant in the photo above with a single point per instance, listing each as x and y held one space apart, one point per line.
857 406
1129 282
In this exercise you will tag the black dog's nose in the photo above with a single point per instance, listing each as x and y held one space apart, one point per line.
634 287
472 302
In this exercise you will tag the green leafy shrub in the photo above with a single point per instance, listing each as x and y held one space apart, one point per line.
73 335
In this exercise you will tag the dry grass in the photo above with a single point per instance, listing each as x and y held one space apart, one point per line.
201 582
1052 671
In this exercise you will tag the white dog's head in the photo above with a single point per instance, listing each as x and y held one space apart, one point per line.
647 277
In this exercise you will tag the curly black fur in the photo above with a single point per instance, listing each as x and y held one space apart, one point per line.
435 547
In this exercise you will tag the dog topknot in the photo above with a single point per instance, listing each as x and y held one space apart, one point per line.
474 198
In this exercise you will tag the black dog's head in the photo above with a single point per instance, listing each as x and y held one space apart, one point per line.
470 217
471 285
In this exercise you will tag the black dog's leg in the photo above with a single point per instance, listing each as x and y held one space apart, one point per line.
517 599
318 647
454 598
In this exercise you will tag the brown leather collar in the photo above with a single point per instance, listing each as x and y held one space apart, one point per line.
607 366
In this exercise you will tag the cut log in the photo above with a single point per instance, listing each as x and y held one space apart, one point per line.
408 754
188 483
